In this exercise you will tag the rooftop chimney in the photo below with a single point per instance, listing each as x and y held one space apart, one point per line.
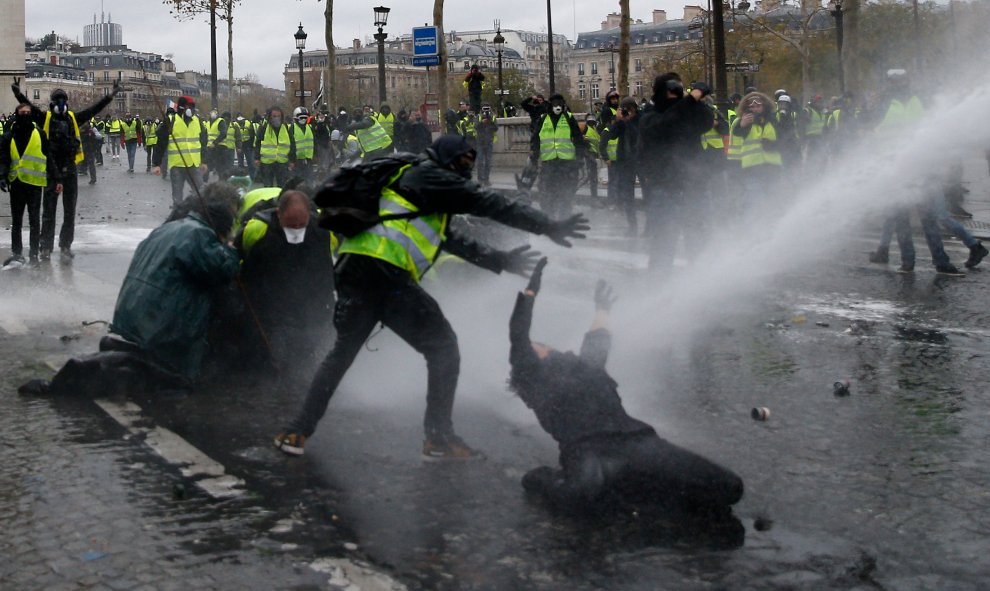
659 17
692 12
356 44
612 21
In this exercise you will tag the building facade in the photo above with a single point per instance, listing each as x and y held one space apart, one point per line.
11 50
43 77
103 34
532 48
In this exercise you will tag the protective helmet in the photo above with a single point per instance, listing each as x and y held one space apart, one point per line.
783 99
300 112
778 93
58 93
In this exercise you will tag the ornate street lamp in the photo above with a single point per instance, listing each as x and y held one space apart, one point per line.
301 45
381 18
499 42
610 48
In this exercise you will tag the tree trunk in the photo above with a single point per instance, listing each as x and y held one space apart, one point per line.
230 56
213 54
807 7
850 46
624 48
330 92
442 68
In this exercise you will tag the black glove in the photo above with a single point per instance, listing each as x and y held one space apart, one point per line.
572 227
116 88
16 86
3 185
520 260
536 277
603 296
703 87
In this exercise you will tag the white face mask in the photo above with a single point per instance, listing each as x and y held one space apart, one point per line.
294 235
189 112
558 110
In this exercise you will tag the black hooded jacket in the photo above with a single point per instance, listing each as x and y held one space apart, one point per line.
573 396
670 137
61 136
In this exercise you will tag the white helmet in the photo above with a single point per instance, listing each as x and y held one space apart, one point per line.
300 112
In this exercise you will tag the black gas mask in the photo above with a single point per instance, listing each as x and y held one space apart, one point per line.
60 106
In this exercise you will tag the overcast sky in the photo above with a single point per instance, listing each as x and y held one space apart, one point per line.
263 31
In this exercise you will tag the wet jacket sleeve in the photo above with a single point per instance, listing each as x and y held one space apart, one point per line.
221 133
5 154
36 114
474 252
158 150
91 111
521 353
595 347
438 190
207 260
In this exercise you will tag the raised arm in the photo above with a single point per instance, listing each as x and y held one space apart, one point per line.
598 340
521 353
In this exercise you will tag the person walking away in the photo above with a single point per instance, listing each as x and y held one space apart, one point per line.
273 144
91 142
149 133
624 132
303 145
183 136
606 456
101 127
24 171
131 130
378 275
474 84
60 126
114 136
669 167
559 147
486 136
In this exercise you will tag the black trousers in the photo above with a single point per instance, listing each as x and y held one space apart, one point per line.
24 196
484 150
416 317
272 175
558 185
639 468
624 191
49 207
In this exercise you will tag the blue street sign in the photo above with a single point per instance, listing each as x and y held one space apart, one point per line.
430 60
424 42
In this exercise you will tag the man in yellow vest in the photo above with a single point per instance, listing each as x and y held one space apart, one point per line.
753 143
149 132
114 136
60 126
130 127
386 119
220 145
183 137
378 274
303 144
559 146
486 136
813 132
593 139
375 143
24 170
273 144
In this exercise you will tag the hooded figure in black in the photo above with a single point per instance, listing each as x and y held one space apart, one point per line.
670 156
375 284
61 127
606 456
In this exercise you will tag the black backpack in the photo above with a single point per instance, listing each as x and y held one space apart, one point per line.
349 199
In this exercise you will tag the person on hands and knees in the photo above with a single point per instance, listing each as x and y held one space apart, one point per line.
605 455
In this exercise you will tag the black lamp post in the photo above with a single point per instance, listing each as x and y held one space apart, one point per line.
835 9
381 18
610 48
553 82
301 45
499 42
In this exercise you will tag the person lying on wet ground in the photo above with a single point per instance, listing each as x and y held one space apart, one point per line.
163 308
605 454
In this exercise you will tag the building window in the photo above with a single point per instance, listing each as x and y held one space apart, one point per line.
639 87
639 65
467 65
106 76
106 61
582 91
37 94
581 69
594 90
92 61
594 68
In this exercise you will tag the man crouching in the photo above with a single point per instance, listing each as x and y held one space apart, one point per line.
605 455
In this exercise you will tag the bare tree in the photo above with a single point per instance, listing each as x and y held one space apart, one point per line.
623 48
442 67
802 44
330 96
189 9
850 45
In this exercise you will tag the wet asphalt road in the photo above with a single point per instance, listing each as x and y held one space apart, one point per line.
883 489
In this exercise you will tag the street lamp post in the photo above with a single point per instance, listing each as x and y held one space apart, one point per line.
553 84
381 18
835 8
499 42
610 48
301 45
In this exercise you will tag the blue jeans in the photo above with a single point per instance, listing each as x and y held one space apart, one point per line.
131 153
950 223
899 221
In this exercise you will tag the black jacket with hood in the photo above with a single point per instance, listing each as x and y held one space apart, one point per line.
670 136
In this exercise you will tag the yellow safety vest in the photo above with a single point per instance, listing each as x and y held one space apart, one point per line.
900 114
130 130
410 244
750 151
387 122
115 126
466 127
816 123
275 146
373 138
593 139
213 132
31 168
712 139
75 127
304 141
186 150
555 140
150 134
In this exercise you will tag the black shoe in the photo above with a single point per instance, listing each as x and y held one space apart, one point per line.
448 448
879 257
67 253
976 254
46 255
16 260
906 269
35 388
949 270
92 181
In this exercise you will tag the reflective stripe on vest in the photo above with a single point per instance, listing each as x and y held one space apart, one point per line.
304 142
186 150
711 139
555 141
150 134
387 122
115 126
816 123
750 150
31 168
275 147
213 132
612 148
75 128
130 130
373 138
410 244
593 140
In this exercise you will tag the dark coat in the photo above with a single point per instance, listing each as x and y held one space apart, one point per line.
670 139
